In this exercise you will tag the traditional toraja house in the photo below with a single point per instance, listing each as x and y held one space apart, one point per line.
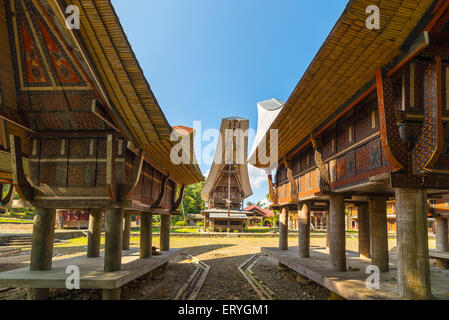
81 129
257 215
368 123
227 185
72 219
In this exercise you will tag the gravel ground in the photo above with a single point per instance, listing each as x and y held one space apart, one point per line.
224 281
284 284
14 228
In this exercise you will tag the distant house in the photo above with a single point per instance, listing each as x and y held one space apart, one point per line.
73 219
257 215
193 218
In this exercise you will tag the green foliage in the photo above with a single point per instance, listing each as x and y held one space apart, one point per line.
258 230
200 223
273 220
192 199
181 223
24 213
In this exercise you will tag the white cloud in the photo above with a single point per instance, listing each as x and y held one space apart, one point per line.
256 176
265 203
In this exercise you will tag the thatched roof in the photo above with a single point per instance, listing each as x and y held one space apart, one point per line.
222 158
126 87
345 64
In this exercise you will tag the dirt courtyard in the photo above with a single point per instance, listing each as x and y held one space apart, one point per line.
224 281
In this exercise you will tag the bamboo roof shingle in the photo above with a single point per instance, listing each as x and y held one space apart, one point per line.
126 87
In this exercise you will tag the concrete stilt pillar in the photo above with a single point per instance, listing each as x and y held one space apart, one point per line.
113 248
146 237
442 242
412 244
126 230
42 246
165 233
337 233
364 232
304 231
94 234
379 233
283 229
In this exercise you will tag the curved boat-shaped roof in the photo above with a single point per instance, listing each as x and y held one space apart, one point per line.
268 111
220 159
345 64
124 89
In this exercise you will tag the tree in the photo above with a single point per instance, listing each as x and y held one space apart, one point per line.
273 220
258 204
192 198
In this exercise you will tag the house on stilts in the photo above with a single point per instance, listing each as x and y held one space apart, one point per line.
80 129
227 185
368 123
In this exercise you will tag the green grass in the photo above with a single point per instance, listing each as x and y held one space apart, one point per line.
18 221
259 230
75 242
172 229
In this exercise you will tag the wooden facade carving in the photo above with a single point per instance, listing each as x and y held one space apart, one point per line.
161 195
272 191
178 201
126 189
74 146
324 172
21 184
401 131
430 143
393 147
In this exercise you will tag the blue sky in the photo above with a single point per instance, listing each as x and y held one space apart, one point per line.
210 59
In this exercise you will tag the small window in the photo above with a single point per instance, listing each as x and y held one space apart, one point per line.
333 144
373 119
350 134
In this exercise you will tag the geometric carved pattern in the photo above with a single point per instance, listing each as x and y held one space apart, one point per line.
430 142
392 144
54 92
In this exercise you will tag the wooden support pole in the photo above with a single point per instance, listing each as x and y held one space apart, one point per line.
442 242
283 229
94 234
146 237
126 230
113 241
165 233
304 230
337 233
42 246
364 234
328 229
113 248
379 233
412 244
